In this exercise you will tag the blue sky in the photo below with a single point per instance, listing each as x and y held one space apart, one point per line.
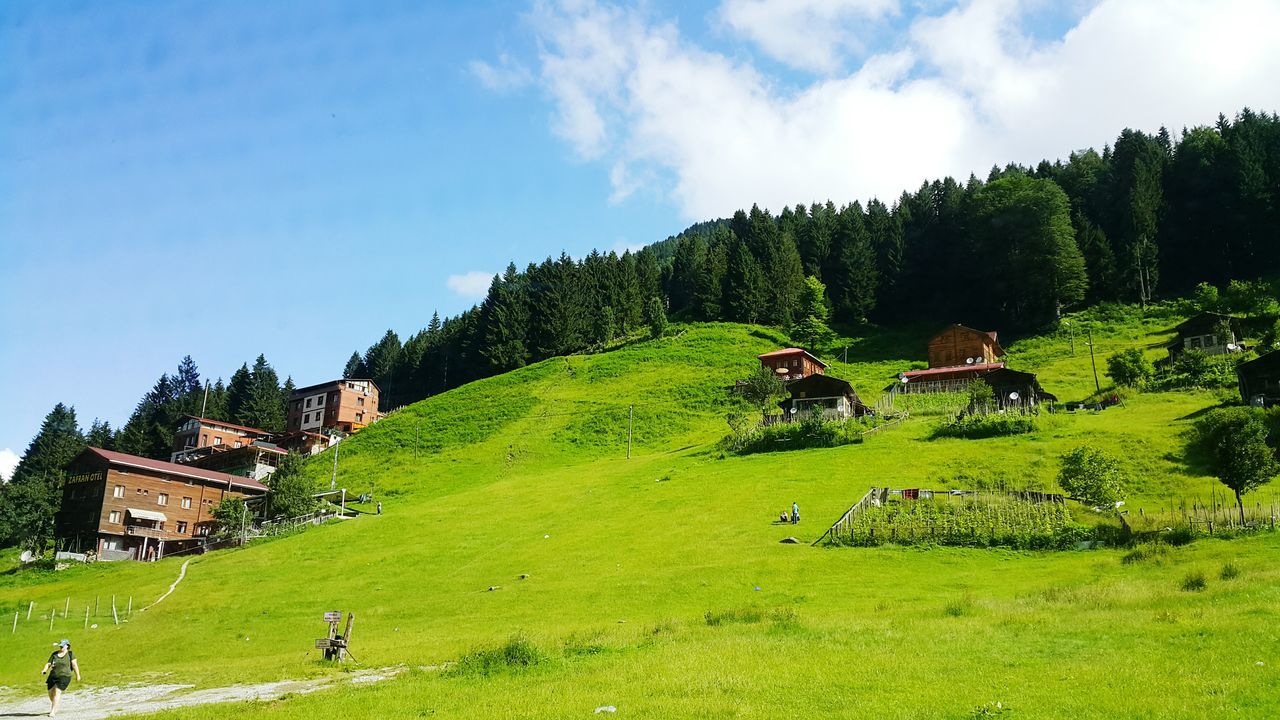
292 178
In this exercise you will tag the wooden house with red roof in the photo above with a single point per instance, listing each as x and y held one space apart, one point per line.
792 363
125 507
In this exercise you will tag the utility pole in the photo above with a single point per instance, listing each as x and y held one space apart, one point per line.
333 480
1093 362
631 411
205 404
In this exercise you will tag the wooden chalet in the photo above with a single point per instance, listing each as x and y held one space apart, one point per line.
125 507
792 363
1016 389
958 345
837 398
1207 333
1259 380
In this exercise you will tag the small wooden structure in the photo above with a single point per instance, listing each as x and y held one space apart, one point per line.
1209 332
336 646
835 397
1013 388
958 345
1259 380
792 363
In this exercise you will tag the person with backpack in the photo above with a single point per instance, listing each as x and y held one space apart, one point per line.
61 666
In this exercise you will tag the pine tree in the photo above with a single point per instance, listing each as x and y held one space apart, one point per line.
811 329
149 430
216 407
263 407
380 361
100 435
853 267
238 393
744 292
31 498
655 317
355 367
505 322
1138 196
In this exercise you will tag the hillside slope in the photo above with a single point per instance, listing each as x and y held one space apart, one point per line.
658 585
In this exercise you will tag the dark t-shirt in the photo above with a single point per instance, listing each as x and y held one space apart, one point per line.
61 666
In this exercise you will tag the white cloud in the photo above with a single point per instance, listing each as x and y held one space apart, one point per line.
8 461
472 285
807 34
961 91
506 76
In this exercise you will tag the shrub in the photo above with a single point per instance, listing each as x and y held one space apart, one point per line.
1129 368
977 427
1092 476
1194 582
1147 552
516 654
1229 571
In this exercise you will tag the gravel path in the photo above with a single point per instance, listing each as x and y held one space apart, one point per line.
96 703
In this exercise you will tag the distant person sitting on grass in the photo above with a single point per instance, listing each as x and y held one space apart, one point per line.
783 517
795 513
62 664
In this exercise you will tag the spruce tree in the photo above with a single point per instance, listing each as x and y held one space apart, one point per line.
744 291
354 367
31 498
262 407
238 392
505 322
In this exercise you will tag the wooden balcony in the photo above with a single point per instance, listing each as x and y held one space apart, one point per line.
143 531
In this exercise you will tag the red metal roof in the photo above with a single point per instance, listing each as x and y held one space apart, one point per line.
186 471
953 369
786 352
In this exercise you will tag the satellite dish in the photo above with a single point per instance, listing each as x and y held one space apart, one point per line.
905 379
781 370
981 360
27 556
1232 347
968 361
793 411
1013 395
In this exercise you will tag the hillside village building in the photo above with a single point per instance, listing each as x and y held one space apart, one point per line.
959 345
195 433
792 363
836 398
1259 380
347 405
125 507
1209 332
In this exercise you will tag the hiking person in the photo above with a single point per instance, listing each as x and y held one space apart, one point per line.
795 513
379 507
62 663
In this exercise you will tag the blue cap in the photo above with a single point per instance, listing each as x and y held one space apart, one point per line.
64 643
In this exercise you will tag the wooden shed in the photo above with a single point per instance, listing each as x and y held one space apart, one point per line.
1209 332
792 363
1259 380
837 398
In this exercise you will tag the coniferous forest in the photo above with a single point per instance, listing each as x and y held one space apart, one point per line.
1145 217
1148 216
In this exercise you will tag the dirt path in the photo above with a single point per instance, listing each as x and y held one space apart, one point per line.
96 703
181 574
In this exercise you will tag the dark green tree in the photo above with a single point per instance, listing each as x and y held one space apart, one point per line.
656 317
355 367
1235 440
291 492
31 498
744 291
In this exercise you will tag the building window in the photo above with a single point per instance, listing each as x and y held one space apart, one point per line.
360 401
320 400
308 402
306 418
204 439
186 503
114 517
333 398
182 527
162 499
117 491
237 444
360 417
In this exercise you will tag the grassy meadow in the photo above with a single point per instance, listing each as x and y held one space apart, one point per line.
518 541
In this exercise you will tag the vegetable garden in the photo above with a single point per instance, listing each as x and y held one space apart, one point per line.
984 519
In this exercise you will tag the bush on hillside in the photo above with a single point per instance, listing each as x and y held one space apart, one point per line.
516 654
1093 477
801 436
1129 368
1195 369
977 427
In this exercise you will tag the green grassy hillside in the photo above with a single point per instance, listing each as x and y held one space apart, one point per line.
658 584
